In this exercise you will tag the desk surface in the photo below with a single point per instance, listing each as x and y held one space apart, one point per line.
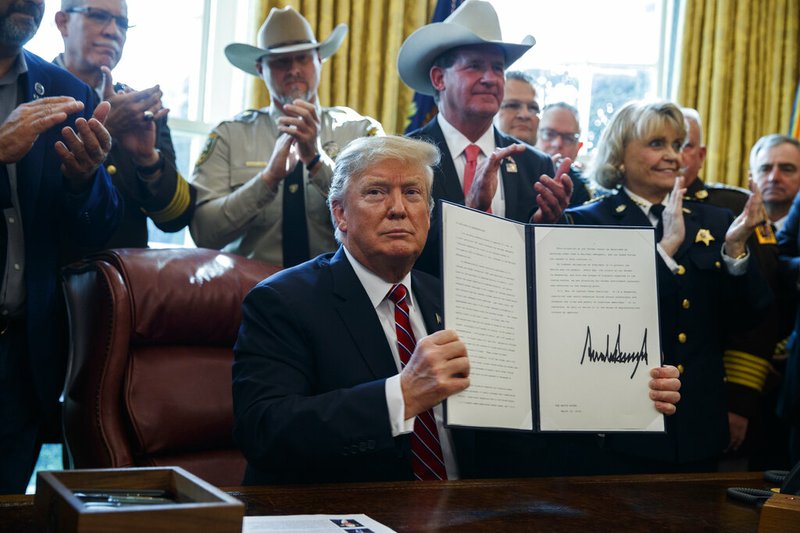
619 503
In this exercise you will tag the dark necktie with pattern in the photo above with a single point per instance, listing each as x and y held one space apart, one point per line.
427 461
658 210
295 229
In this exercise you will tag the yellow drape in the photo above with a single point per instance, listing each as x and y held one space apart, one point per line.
740 71
363 73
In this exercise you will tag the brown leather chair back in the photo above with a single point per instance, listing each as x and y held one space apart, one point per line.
149 377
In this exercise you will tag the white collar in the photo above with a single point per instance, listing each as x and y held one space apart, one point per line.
457 142
641 202
376 287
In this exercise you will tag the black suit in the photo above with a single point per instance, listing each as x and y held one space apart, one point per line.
310 365
695 307
518 179
789 400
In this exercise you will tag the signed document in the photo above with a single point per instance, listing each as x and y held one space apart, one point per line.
560 323
345 523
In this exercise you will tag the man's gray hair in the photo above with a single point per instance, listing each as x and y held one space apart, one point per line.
520 76
563 105
770 141
690 113
363 153
634 120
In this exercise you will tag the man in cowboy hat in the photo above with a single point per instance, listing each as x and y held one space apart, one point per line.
263 177
460 62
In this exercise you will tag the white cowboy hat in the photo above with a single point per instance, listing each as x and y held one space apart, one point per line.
474 22
285 30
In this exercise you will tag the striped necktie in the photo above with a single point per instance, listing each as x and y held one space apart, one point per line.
427 461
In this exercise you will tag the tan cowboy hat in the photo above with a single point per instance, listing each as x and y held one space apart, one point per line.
474 22
285 30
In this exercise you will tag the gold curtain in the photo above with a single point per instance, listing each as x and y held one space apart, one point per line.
740 71
363 73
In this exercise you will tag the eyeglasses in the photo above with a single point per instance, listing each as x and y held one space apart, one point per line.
101 17
512 105
549 134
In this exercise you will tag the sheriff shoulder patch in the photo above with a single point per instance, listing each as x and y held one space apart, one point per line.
211 142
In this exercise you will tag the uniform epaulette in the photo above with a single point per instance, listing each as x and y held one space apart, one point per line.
726 187
344 113
341 115
248 115
596 199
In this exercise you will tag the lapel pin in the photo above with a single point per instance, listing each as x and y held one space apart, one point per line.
701 194
38 88
511 165
620 208
438 319
293 188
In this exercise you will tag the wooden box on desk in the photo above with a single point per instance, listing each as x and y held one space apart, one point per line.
200 506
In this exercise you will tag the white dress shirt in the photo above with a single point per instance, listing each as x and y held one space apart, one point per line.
377 290
457 142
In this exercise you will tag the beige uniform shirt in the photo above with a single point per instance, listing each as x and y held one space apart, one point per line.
237 212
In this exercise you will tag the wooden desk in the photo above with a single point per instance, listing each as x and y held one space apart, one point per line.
621 503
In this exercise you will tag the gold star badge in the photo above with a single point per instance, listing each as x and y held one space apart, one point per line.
704 236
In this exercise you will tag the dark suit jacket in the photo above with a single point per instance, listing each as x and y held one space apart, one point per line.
517 184
698 304
789 245
50 217
308 378
169 201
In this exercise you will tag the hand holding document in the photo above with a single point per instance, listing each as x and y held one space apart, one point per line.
560 323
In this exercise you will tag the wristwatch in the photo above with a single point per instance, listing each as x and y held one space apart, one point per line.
311 164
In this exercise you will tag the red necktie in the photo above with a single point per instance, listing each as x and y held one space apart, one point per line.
471 152
427 462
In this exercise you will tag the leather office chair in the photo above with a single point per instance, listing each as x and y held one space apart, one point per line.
149 377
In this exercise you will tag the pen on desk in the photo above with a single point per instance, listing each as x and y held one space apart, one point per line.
117 499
